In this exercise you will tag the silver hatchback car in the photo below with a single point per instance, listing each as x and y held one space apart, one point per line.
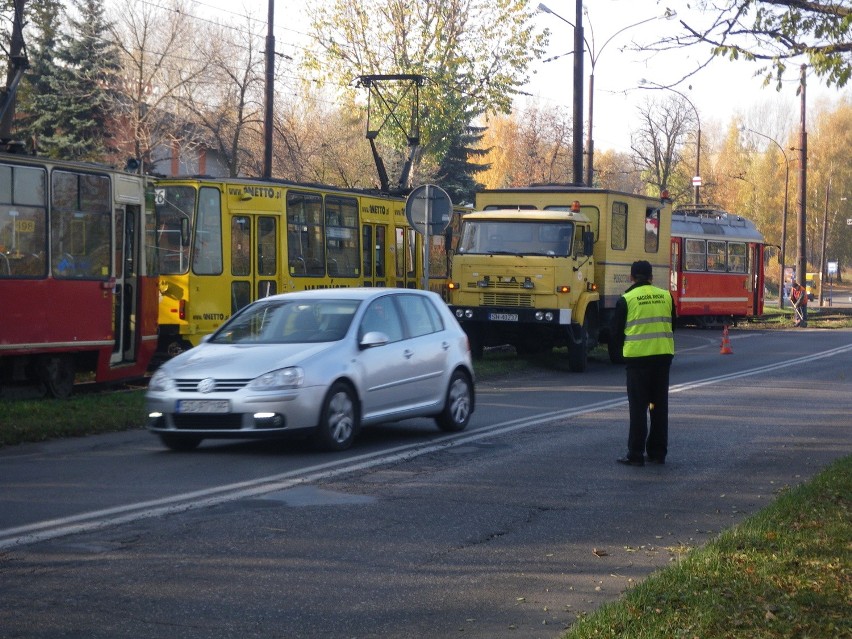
325 361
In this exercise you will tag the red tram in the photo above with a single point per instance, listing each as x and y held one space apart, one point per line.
78 285
716 274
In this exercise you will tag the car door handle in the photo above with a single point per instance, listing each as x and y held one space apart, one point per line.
407 354
445 345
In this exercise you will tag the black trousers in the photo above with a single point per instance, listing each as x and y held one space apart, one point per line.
648 392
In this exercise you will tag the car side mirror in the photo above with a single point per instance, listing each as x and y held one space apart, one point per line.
373 339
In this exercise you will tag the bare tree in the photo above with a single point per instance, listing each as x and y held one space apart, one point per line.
226 103
658 144
161 58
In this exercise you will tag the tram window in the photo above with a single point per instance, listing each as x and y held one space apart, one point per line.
737 258
341 229
80 227
405 247
267 247
240 245
695 255
175 206
240 295
716 256
437 257
618 234
367 249
652 230
23 222
207 249
305 246
381 242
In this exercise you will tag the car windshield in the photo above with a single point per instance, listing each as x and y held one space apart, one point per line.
289 322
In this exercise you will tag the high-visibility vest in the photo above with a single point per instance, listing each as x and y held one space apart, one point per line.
648 330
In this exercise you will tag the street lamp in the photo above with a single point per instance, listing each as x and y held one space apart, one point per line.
783 255
578 87
696 181
593 58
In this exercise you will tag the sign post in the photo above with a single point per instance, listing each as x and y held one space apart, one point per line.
832 271
428 210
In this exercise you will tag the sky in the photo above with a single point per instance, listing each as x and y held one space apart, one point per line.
623 76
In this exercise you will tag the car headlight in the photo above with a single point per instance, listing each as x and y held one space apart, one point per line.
292 377
161 382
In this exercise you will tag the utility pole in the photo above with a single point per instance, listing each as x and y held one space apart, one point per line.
270 92
578 95
801 227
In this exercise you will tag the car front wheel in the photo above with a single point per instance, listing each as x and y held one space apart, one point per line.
339 419
458 405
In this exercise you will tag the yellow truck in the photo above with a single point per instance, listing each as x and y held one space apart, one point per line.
813 282
542 267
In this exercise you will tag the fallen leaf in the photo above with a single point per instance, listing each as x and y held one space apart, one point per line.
600 553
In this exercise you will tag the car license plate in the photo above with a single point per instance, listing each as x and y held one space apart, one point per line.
503 317
204 406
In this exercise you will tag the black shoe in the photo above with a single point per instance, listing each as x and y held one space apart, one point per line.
629 461
656 460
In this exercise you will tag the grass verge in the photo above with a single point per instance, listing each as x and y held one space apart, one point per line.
35 420
784 573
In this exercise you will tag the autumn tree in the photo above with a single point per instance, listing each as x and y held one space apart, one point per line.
829 181
533 145
617 171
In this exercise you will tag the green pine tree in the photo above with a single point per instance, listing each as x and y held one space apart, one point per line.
73 108
456 172
31 122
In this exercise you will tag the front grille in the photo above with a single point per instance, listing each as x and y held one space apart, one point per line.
507 299
497 284
209 421
222 385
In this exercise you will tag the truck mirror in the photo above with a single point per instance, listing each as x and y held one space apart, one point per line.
588 243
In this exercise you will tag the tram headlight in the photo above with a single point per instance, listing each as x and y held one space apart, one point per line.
161 382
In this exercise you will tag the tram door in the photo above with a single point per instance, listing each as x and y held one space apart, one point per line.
254 259
407 258
374 248
125 291
755 264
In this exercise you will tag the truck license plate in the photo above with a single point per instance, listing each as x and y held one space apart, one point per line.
203 406
503 317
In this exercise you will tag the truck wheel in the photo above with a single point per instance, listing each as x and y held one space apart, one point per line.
578 346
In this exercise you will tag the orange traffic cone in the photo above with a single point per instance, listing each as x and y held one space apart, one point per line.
726 343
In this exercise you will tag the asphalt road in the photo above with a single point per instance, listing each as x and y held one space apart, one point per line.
510 529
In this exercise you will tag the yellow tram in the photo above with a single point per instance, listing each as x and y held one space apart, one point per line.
224 242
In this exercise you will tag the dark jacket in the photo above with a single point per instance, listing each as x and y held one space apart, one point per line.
619 321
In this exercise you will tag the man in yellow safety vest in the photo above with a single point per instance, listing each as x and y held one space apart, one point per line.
643 325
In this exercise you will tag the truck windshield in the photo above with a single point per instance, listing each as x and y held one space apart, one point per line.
534 237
